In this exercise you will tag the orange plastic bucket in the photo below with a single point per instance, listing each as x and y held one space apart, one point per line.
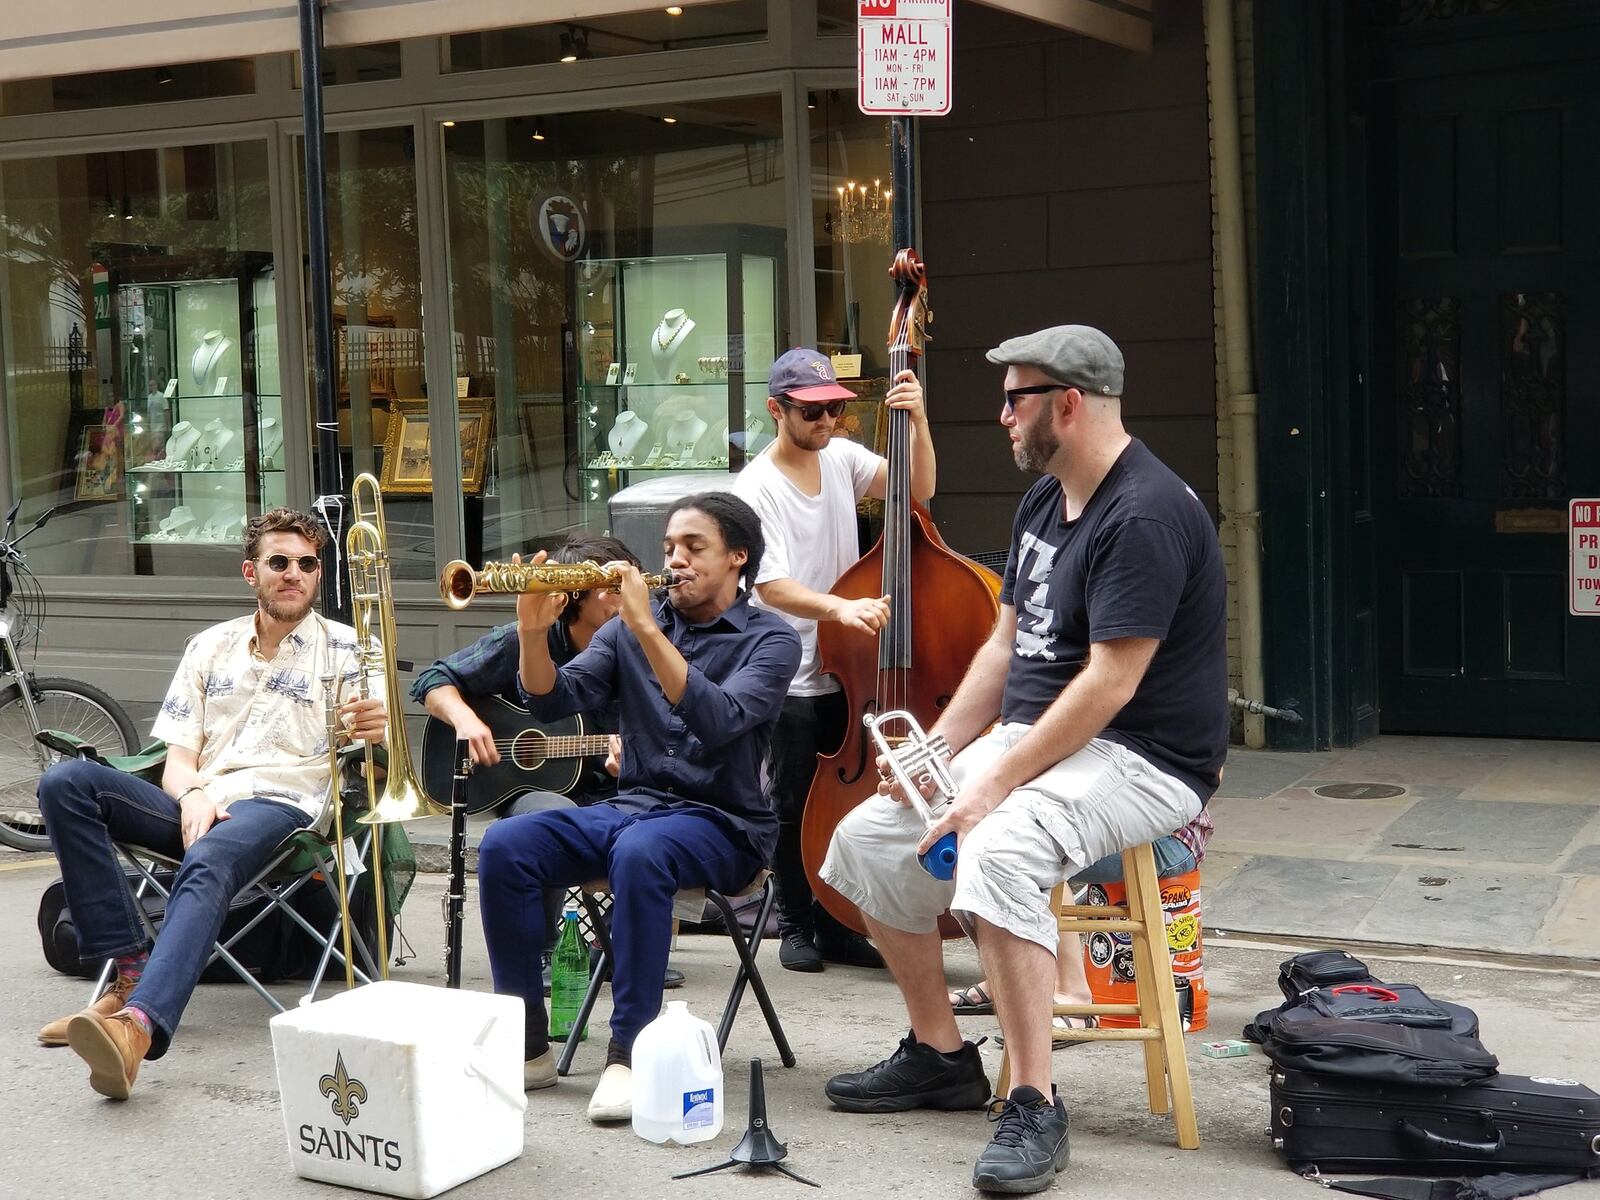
1108 957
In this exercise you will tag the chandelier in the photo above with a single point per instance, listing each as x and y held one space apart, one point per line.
865 213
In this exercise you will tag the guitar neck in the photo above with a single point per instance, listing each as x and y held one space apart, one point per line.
575 745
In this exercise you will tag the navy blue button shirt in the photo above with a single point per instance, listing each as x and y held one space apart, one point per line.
710 748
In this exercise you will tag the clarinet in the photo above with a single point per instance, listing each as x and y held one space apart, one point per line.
455 896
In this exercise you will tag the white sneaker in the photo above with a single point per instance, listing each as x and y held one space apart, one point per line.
613 1096
539 1072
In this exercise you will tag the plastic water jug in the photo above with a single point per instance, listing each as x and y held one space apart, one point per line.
677 1079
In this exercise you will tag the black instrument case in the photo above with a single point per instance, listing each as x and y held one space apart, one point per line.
1503 1123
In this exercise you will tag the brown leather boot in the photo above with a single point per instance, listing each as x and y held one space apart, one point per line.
113 1047
111 1000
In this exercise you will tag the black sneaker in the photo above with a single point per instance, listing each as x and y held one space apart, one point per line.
850 948
798 952
914 1076
1028 1147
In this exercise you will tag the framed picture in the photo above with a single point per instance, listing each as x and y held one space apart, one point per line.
99 463
407 452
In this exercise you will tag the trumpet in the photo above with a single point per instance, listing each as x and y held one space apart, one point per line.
919 759
459 584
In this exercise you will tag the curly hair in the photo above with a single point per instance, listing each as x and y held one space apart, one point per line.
283 520
737 521
589 547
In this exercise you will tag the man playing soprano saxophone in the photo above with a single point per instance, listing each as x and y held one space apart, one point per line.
699 678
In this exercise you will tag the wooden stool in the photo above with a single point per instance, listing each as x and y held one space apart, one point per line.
1160 1027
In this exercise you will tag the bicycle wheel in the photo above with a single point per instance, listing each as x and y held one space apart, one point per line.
65 705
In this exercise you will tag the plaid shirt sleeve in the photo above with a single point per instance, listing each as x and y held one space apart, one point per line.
488 667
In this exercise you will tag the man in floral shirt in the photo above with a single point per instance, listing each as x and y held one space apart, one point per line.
247 765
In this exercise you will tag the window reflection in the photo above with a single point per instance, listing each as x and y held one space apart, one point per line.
573 237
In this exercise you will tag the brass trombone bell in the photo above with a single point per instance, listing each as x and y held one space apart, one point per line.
460 584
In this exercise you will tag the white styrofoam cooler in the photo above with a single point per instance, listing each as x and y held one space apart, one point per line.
401 1088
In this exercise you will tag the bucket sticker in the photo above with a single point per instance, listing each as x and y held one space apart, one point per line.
1183 931
1099 949
699 1108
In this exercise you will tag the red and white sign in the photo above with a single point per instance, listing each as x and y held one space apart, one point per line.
1583 558
904 65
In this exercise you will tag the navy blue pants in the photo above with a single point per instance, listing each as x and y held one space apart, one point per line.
647 857
85 806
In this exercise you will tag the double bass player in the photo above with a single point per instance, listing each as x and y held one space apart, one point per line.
805 486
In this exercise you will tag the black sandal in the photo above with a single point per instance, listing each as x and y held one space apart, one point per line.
972 1001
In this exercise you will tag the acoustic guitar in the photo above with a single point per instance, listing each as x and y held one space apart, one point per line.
534 756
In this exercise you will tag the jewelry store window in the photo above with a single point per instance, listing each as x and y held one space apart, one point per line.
138 333
671 27
379 378
618 292
140 85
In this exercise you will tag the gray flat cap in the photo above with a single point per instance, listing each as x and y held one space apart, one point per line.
1078 355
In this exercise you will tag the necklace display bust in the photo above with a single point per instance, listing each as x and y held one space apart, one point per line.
667 338
207 358
626 434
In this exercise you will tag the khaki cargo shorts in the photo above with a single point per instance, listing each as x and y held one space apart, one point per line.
1100 801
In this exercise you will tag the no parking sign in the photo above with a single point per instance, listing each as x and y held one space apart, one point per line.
1583 558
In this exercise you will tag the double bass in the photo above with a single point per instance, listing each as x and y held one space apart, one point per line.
942 607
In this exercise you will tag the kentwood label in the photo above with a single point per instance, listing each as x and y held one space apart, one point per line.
904 59
1583 557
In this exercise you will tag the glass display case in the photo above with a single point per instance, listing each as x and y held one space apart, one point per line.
673 355
203 406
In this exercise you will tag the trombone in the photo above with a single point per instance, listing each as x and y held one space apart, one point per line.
372 615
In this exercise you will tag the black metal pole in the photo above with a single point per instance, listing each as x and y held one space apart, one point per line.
902 178
319 275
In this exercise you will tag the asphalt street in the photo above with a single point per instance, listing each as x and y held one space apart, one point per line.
205 1120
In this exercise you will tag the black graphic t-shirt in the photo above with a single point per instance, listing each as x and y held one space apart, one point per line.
1141 561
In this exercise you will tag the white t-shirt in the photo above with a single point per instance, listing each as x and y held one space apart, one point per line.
810 539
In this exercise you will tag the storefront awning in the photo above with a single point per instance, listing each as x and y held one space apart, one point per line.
70 37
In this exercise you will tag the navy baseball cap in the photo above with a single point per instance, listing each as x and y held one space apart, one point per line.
806 376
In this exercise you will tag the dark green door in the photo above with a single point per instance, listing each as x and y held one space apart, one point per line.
1486 210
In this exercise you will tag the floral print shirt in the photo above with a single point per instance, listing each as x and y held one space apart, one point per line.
260 727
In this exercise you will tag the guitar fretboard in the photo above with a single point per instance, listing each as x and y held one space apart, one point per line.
574 746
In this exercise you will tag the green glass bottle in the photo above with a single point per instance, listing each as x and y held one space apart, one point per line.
569 978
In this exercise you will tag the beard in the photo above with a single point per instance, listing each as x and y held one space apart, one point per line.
287 609
1037 445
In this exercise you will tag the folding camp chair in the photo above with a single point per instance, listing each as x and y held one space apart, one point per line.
692 903
305 857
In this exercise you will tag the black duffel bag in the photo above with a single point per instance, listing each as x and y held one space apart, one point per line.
1376 1051
276 948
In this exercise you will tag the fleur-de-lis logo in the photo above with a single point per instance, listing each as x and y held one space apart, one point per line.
348 1094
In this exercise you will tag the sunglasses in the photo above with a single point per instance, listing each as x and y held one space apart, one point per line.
1014 395
813 412
308 563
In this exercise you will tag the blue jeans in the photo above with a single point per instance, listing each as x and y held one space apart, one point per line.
1172 857
647 857
86 807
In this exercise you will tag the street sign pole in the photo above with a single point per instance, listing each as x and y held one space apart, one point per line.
319 279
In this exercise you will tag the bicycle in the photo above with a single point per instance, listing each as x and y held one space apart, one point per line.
29 703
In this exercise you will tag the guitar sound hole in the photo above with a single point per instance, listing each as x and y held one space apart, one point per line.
527 749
